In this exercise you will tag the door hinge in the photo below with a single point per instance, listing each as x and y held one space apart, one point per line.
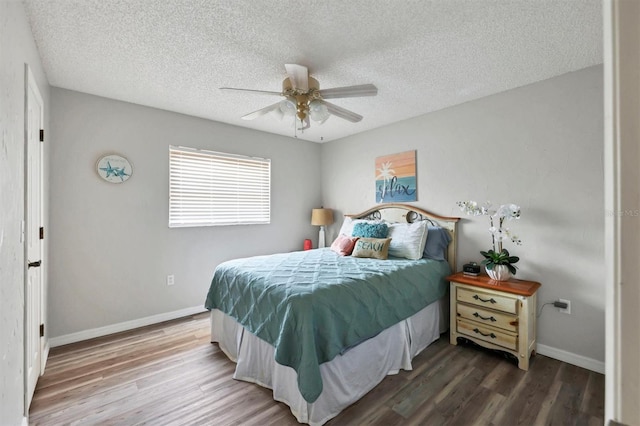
41 330
41 135
41 233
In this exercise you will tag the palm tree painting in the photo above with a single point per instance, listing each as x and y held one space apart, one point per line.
396 178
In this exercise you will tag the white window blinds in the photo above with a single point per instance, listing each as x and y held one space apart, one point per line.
211 188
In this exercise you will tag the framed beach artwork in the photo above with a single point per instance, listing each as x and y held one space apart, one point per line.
396 178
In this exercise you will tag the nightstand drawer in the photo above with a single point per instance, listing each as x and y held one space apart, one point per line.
488 334
486 316
479 298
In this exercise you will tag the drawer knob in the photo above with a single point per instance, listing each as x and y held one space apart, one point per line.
493 336
491 318
475 296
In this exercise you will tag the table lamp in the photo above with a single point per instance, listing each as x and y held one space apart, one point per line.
321 217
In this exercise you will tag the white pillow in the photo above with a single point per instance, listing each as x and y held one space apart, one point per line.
349 223
408 239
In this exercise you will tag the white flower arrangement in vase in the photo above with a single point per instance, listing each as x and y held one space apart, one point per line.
498 263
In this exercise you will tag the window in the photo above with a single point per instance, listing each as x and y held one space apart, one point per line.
211 188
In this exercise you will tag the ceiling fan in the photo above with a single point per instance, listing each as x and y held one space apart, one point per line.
304 99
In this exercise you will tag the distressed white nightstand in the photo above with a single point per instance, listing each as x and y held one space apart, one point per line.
498 315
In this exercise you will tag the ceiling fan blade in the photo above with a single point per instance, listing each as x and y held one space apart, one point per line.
261 112
349 91
342 113
262 92
298 76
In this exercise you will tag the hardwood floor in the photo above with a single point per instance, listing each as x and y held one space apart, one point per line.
169 374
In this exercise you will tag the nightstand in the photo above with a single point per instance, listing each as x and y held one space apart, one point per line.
498 315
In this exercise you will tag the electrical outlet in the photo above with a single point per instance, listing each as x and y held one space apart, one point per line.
170 279
568 308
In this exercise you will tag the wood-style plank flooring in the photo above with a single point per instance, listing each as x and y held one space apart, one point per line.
169 374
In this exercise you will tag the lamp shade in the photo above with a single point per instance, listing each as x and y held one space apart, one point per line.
318 111
288 106
321 217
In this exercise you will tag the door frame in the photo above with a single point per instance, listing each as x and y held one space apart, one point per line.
621 25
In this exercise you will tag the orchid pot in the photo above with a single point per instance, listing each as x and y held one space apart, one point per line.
499 273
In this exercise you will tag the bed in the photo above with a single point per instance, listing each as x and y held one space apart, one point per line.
322 329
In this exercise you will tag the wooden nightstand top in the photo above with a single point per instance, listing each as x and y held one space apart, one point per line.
520 287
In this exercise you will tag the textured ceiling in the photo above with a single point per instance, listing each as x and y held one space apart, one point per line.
422 55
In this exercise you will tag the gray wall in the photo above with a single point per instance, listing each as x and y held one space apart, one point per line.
539 146
111 248
17 47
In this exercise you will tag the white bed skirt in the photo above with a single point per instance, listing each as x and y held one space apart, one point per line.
346 378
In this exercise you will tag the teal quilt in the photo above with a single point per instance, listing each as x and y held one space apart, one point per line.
313 305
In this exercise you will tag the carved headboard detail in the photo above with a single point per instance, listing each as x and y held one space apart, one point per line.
406 213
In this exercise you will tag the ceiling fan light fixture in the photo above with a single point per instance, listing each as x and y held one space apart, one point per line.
277 112
288 106
305 101
302 124
318 111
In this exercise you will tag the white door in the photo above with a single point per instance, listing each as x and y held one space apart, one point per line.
34 114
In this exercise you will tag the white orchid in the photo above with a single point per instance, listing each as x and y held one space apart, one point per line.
472 208
508 211
499 234
496 216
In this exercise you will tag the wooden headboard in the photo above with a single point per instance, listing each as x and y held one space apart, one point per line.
400 213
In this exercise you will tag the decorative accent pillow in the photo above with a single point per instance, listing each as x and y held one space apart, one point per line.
370 230
343 245
438 240
408 239
376 248
347 225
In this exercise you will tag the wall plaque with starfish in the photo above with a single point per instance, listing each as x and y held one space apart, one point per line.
114 168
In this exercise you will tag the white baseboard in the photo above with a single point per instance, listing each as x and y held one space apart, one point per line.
559 354
45 356
123 326
571 358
